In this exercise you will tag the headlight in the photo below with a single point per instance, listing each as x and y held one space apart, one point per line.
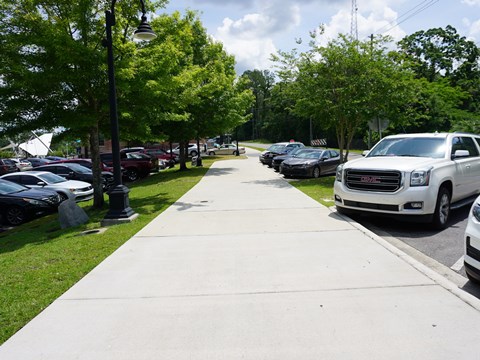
34 202
476 211
420 177
339 173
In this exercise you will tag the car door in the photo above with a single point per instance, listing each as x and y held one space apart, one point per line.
30 181
467 169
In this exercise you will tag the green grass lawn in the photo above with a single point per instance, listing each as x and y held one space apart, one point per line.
320 189
39 261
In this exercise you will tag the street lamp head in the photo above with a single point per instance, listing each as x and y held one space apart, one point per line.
144 31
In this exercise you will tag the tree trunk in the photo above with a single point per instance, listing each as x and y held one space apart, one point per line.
98 199
183 165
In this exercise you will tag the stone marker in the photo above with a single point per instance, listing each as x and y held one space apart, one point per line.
70 214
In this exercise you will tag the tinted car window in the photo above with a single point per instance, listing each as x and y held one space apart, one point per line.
29 180
51 178
14 178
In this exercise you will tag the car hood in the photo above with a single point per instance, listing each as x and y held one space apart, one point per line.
282 157
71 184
401 163
36 194
298 161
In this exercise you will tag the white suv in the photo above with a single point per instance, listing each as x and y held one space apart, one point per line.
472 243
418 175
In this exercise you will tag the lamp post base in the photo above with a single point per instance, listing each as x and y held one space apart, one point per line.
120 211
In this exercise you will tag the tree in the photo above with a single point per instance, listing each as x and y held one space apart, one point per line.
345 84
191 83
261 84
53 67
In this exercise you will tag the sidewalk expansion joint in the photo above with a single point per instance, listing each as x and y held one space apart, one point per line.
250 293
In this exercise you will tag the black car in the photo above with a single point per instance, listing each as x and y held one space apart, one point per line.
282 148
19 203
277 160
78 172
311 163
38 161
7 166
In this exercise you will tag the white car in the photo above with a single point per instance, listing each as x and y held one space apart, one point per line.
226 149
22 165
67 189
472 243
192 150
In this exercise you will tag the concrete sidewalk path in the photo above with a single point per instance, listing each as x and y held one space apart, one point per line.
244 266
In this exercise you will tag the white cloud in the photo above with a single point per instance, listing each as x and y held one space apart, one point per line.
379 20
251 38
248 40
471 2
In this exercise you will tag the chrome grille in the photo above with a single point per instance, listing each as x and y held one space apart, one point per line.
373 180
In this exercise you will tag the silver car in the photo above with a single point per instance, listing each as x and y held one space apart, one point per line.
67 189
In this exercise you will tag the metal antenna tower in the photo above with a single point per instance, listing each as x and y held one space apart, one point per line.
353 24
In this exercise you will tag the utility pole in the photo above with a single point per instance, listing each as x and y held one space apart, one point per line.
353 24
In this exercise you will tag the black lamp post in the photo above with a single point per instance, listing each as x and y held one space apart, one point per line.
120 210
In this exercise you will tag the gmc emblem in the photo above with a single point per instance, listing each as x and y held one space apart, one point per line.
370 179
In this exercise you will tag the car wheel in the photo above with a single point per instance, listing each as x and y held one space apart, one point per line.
442 209
316 172
63 197
132 174
472 279
193 153
15 215
211 153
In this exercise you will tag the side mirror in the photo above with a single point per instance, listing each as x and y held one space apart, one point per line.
460 154
365 152
41 183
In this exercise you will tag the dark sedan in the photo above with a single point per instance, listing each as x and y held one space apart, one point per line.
78 172
282 148
38 161
311 163
277 160
19 203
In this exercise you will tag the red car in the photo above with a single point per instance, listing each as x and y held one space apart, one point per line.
160 154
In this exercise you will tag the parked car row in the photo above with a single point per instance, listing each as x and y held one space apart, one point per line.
293 159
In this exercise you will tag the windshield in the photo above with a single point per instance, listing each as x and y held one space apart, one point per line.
79 168
8 187
276 148
51 178
309 154
417 147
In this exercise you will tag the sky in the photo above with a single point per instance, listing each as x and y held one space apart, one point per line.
252 30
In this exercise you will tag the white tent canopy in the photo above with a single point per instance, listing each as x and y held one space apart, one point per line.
38 146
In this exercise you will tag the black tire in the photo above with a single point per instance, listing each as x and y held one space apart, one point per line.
193 153
63 197
131 174
211 153
15 215
442 209
472 279
316 172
